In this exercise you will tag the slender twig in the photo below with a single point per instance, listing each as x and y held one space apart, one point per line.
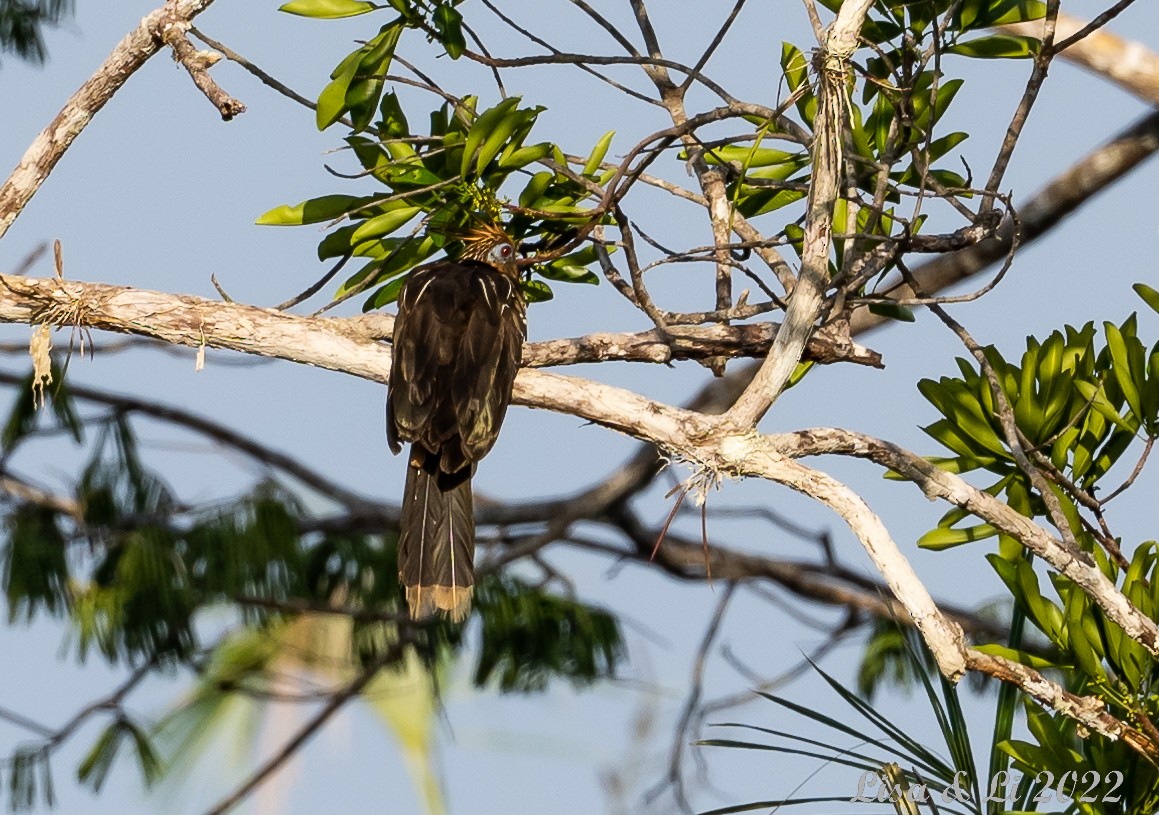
215 430
265 78
552 49
1093 26
1042 62
674 776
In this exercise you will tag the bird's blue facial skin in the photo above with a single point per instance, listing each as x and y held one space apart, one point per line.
502 253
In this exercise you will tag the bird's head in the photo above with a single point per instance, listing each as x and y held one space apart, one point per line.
489 244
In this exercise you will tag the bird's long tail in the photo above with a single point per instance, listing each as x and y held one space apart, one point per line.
436 544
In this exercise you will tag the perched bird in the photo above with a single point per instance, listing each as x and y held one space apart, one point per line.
458 342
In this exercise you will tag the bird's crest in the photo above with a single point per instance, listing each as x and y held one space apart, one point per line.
486 235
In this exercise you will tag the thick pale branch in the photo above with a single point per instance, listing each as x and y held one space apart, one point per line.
808 293
936 483
351 345
46 150
943 637
687 342
334 344
1128 64
1085 710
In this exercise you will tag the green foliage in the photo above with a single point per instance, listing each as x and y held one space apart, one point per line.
875 740
1080 403
24 418
29 779
441 182
327 9
445 181
22 25
95 766
463 167
888 659
35 570
530 637
1059 749
131 568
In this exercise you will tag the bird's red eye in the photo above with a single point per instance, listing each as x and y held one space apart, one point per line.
505 251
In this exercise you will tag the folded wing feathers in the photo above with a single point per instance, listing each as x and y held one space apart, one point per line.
458 342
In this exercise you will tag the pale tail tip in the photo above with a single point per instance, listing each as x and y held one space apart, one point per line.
454 601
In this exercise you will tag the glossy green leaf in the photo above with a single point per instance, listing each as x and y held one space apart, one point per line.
1083 640
313 211
997 46
766 200
332 100
536 187
1149 295
1127 355
449 25
1023 657
515 159
795 66
946 538
1108 455
327 9
598 153
985 13
385 295
1098 399
572 268
940 146
366 87
749 156
536 291
393 123
492 127
382 225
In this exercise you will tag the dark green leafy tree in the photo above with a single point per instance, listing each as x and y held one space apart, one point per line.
822 193
22 24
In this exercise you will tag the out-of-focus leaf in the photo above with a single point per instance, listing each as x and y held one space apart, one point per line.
893 311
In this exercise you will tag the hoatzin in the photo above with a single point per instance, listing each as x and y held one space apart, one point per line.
458 342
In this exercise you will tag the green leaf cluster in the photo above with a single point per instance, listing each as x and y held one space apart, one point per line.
22 26
1080 398
442 181
1057 747
131 568
1078 401
529 637
894 146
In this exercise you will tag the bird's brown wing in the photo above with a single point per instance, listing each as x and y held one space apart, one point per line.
458 342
